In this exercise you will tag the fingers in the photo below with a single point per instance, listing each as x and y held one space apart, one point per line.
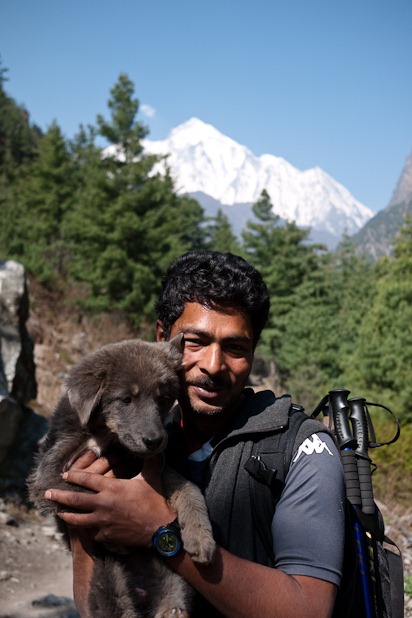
81 520
90 462
89 480
84 461
81 501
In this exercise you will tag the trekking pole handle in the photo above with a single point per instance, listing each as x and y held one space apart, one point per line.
338 399
360 430
359 424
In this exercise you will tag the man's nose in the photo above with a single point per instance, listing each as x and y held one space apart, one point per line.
213 359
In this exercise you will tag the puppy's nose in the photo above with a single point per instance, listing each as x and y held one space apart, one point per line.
153 443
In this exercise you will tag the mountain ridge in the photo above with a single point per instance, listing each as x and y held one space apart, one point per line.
203 161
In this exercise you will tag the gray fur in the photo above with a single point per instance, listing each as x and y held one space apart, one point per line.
117 400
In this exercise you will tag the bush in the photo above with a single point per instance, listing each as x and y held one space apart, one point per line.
391 480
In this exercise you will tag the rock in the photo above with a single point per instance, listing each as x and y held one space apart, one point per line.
17 372
11 414
21 428
7 519
51 600
18 463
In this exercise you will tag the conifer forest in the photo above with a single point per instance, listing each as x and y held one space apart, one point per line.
102 230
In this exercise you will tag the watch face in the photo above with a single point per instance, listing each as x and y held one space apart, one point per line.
168 543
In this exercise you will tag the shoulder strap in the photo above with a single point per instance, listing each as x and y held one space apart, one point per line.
269 465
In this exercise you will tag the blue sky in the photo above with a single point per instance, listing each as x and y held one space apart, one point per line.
318 82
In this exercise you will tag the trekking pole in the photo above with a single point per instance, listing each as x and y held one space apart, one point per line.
340 408
359 423
360 431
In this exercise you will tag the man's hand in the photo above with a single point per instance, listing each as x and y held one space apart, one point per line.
124 511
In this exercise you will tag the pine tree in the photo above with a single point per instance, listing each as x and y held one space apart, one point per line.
284 257
41 197
321 330
220 236
127 223
18 138
18 148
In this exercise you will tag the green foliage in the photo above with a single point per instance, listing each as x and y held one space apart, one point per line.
40 197
220 236
382 363
391 480
285 258
408 584
18 147
18 138
126 224
122 130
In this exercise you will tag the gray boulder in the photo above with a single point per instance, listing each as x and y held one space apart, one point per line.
20 427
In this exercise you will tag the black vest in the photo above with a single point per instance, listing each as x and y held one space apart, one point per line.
257 434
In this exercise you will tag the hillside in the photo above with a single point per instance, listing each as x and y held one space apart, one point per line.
62 335
376 237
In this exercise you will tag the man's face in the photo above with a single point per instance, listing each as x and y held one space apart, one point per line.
217 357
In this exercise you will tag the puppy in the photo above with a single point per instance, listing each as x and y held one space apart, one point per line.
117 400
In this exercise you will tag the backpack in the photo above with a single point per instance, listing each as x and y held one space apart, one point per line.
372 582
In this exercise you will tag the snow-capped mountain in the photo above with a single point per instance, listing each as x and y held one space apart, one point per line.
209 164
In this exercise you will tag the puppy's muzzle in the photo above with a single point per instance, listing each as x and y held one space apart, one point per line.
153 444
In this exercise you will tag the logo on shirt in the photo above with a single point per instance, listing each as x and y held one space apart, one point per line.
311 445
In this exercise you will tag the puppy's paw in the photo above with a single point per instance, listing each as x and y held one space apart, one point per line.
201 547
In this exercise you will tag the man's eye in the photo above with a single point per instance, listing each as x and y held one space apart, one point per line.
193 343
237 349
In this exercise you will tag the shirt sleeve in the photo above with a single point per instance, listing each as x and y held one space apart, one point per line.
308 527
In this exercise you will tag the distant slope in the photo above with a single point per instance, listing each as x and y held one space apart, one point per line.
377 237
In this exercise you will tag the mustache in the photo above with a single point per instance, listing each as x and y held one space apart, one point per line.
209 383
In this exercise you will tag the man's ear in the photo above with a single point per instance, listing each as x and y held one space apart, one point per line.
160 332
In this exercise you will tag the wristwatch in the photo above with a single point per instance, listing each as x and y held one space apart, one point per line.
167 541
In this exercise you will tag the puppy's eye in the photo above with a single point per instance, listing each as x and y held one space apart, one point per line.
166 398
127 399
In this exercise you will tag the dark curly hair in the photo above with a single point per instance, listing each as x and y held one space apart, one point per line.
213 279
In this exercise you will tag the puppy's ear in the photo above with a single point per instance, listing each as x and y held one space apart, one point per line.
178 342
83 406
176 346
84 391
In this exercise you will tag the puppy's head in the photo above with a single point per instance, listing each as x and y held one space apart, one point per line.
125 390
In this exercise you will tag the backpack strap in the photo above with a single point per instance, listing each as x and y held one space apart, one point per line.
396 578
266 482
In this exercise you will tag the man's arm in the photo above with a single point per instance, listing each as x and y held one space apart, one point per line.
129 511
82 555
242 589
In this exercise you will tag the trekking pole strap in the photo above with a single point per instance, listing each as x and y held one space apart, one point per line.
375 444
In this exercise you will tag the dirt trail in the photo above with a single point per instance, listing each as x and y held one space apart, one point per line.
35 569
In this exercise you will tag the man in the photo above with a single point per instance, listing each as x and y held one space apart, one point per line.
220 304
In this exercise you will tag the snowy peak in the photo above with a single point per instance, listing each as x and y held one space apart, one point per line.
204 161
